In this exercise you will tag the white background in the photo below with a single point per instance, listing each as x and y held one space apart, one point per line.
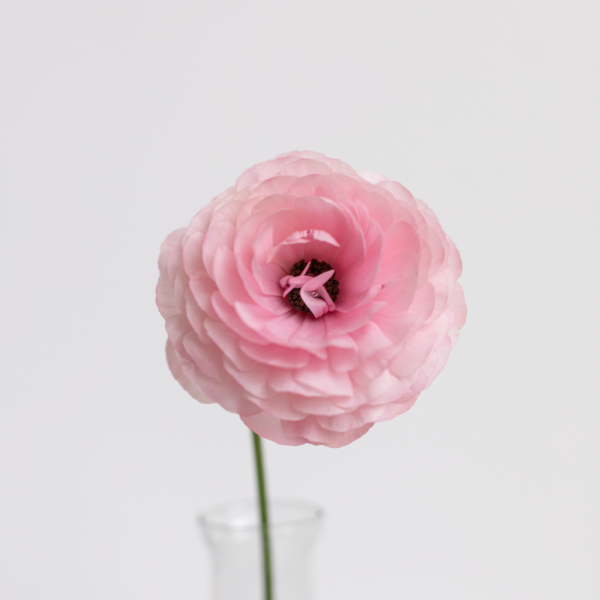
120 119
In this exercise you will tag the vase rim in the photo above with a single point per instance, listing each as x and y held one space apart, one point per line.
218 517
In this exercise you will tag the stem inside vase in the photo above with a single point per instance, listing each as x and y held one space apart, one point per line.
233 532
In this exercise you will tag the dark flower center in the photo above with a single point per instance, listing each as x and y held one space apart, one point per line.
332 287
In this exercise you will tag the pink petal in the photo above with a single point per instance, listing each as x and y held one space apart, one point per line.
276 356
281 382
193 262
321 378
372 177
196 317
279 406
274 186
393 409
357 282
316 405
202 288
313 433
253 382
228 342
269 428
304 237
175 366
365 415
205 357
226 277
398 190
222 232
226 313
341 323
305 166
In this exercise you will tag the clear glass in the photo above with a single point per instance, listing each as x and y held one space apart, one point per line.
233 533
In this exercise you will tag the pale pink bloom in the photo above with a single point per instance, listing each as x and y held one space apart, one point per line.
327 375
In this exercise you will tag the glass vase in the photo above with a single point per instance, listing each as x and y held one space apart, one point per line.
234 536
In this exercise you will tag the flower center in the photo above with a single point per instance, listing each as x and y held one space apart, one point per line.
311 288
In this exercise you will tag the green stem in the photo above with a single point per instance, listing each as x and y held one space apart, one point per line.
264 517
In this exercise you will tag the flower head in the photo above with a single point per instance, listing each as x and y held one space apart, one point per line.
311 300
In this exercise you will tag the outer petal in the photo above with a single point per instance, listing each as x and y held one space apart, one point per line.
174 363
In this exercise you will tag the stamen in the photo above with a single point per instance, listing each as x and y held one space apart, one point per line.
310 287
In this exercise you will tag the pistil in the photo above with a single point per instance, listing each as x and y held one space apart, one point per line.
310 287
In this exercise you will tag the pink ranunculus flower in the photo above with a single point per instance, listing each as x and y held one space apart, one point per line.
310 299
